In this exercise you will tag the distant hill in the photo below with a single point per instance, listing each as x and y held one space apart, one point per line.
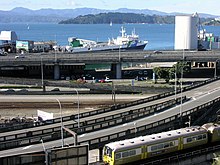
119 18
212 23
21 14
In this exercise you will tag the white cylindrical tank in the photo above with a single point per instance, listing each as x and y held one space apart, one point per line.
186 32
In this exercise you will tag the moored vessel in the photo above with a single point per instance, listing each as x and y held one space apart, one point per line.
124 42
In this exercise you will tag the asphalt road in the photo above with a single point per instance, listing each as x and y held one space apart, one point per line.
29 104
198 96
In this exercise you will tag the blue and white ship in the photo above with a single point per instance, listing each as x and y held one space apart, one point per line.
123 42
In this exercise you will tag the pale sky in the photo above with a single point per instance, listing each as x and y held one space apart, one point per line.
183 6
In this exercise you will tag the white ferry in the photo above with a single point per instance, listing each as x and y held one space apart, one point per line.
123 42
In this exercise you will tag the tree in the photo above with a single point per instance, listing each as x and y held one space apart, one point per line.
118 18
169 73
181 68
162 73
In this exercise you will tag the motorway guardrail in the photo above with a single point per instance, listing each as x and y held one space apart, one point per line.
53 133
154 127
104 110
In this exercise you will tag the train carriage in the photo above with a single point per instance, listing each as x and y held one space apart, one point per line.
135 149
213 131
193 136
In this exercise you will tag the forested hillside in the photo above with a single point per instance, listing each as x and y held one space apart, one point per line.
119 18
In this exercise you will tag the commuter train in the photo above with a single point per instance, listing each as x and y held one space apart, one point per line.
131 150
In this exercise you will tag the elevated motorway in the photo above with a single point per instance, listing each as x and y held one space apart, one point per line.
201 97
56 64
110 57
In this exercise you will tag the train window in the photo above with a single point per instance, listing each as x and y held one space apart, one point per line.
108 151
132 152
125 154
118 156
166 145
153 148
172 144
199 137
188 140
160 146
194 138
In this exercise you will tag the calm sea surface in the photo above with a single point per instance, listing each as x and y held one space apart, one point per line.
159 36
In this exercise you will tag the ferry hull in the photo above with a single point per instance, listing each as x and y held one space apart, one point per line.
109 48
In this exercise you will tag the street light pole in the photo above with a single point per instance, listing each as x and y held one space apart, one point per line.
78 105
43 144
135 128
42 73
61 119
175 85
45 151
113 92
56 48
119 54
181 88
175 88
216 62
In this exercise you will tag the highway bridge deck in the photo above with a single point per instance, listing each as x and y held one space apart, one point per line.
109 57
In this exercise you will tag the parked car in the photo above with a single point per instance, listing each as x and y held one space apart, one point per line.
140 78
62 77
19 56
157 52
3 53
102 81
105 80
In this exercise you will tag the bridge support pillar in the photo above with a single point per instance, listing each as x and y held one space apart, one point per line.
116 70
56 71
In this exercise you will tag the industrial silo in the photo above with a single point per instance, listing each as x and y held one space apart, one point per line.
186 32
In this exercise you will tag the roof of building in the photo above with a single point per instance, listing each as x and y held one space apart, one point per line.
8 36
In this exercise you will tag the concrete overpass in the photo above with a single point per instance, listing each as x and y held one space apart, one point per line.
56 61
110 57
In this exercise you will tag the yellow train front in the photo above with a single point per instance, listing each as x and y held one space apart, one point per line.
213 131
144 147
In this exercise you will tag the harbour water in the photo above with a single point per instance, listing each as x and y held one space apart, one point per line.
159 36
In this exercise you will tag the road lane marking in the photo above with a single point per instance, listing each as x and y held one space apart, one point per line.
27 147
82 135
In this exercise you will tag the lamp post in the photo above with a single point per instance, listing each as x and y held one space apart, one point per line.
181 88
43 144
175 81
45 151
78 105
61 119
42 73
113 92
216 62
175 88
56 48
135 128
175 84
189 122
119 54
